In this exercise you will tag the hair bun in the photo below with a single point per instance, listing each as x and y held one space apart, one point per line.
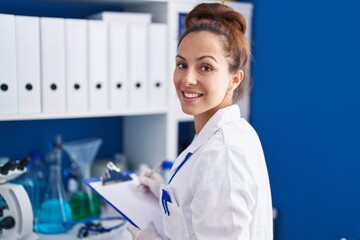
216 12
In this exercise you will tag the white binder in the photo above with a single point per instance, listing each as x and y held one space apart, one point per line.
28 64
76 65
98 64
53 64
138 65
118 65
157 64
8 78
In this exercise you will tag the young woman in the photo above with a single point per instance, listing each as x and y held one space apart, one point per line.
219 188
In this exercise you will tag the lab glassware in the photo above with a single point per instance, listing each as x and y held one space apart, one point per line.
34 180
55 210
84 203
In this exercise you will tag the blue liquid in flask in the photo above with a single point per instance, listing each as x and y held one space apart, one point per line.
55 211
53 216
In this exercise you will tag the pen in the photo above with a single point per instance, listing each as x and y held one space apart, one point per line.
148 174
154 169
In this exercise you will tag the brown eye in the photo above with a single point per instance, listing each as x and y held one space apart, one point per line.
206 68
181 65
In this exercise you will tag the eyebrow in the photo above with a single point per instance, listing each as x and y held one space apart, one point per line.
199 58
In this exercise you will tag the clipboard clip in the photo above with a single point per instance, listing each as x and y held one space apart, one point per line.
113 174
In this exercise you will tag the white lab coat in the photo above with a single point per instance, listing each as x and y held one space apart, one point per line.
222 191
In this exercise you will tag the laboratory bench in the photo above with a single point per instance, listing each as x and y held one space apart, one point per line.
120 233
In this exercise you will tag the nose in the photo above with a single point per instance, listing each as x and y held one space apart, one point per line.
189 78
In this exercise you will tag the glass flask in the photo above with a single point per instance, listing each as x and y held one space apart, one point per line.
84 203
34 181
55 210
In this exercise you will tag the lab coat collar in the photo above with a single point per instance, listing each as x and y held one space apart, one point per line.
219 119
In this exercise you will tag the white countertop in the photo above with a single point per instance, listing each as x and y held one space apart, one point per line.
118 234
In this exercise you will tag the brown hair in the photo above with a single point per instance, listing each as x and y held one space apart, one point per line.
223 21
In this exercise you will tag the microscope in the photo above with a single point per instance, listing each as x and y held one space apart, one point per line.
16 216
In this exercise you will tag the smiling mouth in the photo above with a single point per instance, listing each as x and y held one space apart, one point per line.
192 95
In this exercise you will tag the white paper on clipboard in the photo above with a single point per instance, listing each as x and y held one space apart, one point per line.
136 206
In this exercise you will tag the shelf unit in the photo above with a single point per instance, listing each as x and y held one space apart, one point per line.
150 134
93 114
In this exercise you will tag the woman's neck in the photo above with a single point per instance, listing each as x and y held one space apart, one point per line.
201 119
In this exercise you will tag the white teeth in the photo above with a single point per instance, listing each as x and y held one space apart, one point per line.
191 95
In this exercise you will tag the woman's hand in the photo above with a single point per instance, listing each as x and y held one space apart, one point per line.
149 233
151 180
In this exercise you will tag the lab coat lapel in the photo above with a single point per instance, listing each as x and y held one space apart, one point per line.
218 120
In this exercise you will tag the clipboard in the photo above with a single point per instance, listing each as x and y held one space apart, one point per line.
137 207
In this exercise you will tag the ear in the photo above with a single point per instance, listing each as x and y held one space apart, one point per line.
236 79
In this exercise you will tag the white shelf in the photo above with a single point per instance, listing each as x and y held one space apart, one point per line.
46 116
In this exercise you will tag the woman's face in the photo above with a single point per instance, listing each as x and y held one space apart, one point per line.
201 76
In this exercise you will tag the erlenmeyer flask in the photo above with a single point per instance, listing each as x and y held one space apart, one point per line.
84 203
55 210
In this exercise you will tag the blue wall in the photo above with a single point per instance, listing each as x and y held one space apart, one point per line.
306 109
49 8
18 138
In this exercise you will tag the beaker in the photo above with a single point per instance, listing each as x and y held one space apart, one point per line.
55 210
84 203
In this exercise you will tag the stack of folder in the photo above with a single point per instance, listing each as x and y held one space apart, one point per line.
58 65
